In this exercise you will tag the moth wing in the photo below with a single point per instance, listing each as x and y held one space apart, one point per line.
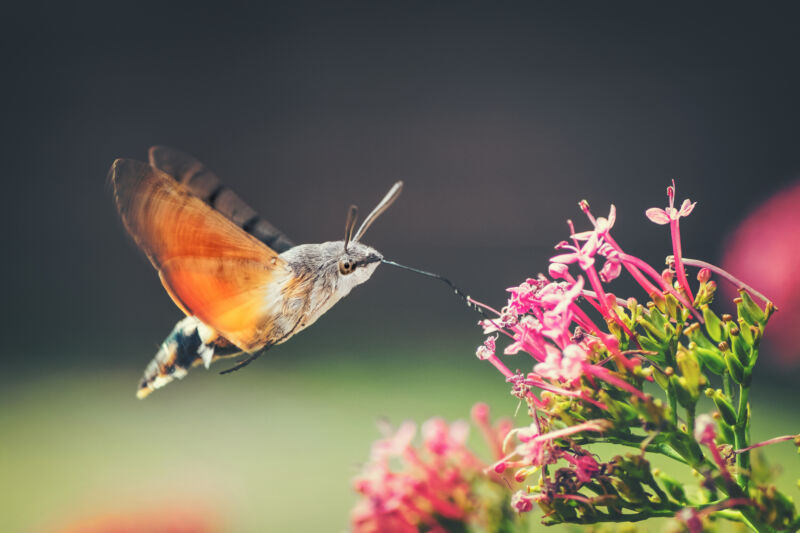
234 296
205 184
210 267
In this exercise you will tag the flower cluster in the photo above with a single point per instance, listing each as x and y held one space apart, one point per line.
433 487
603 369
592 357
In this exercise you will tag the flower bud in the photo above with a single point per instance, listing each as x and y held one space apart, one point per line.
673 487
697 336
651 345
683 391
740 349
480 413
661 379
749 310
558 270
726 434
724 406
713 324
735 368
745 331
711 359
703 275
690 370
674 307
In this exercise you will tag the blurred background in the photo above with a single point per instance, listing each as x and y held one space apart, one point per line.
498 117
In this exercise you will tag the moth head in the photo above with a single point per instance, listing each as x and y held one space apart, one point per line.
346 263
356 264
358 260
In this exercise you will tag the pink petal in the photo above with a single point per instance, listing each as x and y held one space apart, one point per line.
659 216
610 271
612 216
687 207
513 348
564 258
558 270
583 235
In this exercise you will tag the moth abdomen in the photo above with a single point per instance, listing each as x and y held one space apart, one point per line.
189 344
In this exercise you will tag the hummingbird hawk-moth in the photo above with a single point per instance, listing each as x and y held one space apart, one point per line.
242 284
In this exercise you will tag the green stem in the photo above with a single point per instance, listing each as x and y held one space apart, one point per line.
690 417
740 434
673 403
726 384
729 514
753 523
632 517
661 449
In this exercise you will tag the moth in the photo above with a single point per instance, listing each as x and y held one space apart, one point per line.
242 284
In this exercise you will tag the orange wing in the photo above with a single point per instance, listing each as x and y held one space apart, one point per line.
210 267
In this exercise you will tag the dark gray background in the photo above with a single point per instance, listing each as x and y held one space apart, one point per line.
499 117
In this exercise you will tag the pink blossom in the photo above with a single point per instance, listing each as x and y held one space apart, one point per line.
584 255
487 349
613 265
395 443
602 226
586 468
440 438
421 485
522 501
691 519
559 271
705 430
670 214
566 365
762 252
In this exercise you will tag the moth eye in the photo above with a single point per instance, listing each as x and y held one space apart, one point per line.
346 266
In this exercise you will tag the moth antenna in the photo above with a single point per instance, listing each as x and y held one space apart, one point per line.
350 224
382 206
461 294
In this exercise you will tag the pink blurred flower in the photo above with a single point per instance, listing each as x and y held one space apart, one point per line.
705 430
408 488
762 251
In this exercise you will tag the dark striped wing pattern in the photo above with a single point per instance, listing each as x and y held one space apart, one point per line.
204 184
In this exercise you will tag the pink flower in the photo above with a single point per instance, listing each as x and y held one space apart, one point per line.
762 252
566 365
487 349
395 442
613 265
691 519
584 255
602 226
586 468
522 297
559 271
440 438
522 501
670 214
705 430
430 488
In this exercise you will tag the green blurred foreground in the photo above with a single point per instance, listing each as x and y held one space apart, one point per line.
271 448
